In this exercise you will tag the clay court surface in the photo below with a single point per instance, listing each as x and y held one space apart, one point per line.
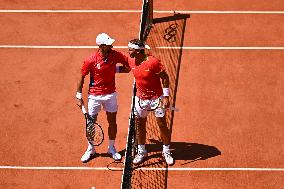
231 97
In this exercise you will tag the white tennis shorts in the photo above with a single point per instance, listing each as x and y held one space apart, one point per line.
109 103
138 111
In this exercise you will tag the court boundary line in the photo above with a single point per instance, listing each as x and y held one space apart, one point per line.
141 168
139 11
126 47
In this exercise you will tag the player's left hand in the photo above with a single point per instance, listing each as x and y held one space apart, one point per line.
166 102
80 102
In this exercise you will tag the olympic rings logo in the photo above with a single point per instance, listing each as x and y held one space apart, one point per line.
170 33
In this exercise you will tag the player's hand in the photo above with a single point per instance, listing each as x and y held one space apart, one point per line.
166 102
80 102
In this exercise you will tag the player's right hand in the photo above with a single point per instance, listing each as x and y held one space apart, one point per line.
166 102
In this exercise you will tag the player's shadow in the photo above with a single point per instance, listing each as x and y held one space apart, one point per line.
188 152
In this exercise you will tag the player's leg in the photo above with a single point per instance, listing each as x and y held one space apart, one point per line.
140 124
165 135
164 130
94 106
112 130
112 125
111 107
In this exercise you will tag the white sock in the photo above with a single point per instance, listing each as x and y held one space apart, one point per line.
91 143
166 148
111 143
141 147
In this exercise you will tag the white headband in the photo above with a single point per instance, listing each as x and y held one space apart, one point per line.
134 46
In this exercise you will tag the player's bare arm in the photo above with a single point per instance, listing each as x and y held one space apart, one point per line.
166 83
79 91
165 79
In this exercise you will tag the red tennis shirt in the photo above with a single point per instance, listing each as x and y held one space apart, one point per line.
102 71
148 82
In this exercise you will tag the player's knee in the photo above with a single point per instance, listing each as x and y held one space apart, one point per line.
111 114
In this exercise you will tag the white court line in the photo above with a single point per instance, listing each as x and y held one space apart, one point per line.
125 47
143 168
221 12
139 11
55 47
224 48
70 11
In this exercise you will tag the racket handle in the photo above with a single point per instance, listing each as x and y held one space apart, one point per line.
83 109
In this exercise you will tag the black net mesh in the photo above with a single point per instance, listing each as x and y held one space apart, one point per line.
146 19
165 37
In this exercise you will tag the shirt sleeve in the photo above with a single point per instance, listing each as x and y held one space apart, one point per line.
85 70
157 66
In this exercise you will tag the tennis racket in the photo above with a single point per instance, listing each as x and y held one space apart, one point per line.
94 131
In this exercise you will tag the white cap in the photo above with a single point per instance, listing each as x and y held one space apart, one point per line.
104 39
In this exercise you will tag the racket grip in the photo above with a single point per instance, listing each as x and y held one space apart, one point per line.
83 109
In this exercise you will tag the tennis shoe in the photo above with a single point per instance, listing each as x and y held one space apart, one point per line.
112 152
168 157
140 157
87 156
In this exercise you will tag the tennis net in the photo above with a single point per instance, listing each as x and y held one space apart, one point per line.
145 25
166 40
165 36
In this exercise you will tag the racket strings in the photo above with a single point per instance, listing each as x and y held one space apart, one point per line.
97 134
91 129
94 131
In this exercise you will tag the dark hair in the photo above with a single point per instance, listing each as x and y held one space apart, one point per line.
140 43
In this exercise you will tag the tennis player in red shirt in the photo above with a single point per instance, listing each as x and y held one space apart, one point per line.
148 73
102 67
